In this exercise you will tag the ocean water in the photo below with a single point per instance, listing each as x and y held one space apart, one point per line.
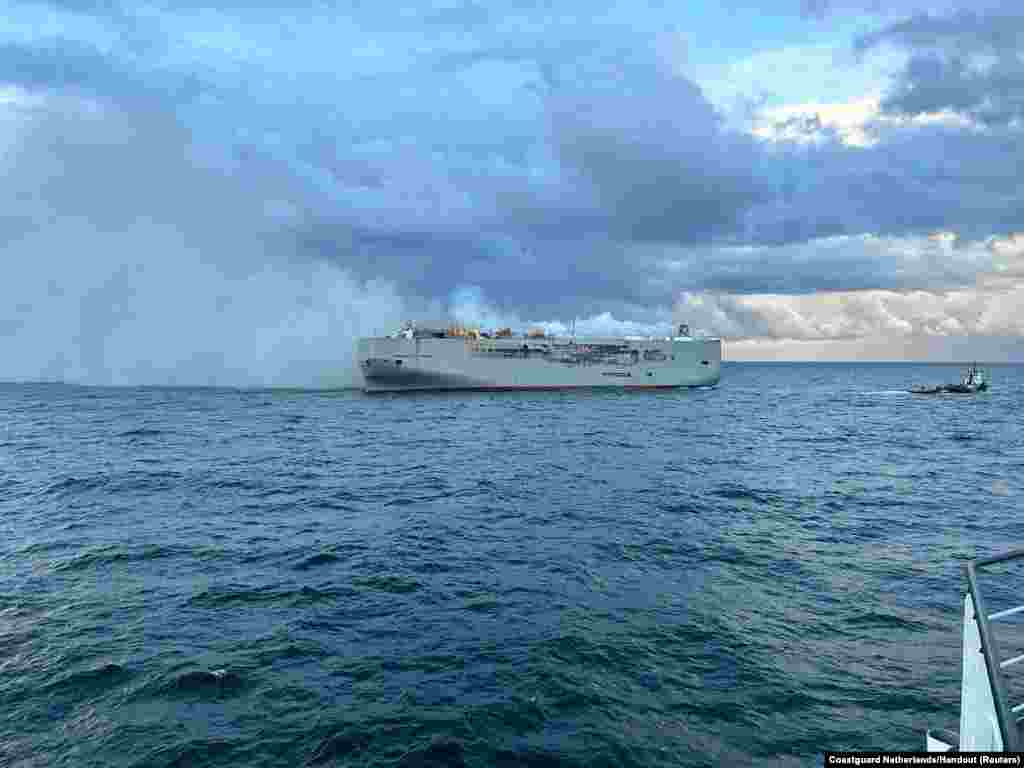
742 575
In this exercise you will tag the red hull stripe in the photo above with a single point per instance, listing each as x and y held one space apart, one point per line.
530 388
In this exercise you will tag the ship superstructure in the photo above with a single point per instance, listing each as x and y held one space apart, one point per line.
457 358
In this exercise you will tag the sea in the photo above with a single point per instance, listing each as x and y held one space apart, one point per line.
749 574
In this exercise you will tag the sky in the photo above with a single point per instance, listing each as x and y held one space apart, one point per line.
232 196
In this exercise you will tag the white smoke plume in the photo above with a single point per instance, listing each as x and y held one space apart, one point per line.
129 259
469 306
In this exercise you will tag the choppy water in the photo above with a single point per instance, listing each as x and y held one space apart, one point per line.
747 574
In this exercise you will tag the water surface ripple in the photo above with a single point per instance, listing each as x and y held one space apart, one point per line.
742 575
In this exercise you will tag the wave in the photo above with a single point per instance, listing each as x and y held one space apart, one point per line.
193 752
204 681
142 432
117 553
884 621
323 558
742 492
348 743
221 597
394 584
74 484
89 681
127 482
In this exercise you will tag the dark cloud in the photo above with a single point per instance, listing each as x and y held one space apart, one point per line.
564 174
58 64
70 65
822 9
968 62
662 165
105 8
912 178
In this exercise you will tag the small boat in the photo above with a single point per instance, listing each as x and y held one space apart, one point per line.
974 380
989 722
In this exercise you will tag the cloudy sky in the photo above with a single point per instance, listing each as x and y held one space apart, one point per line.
232 196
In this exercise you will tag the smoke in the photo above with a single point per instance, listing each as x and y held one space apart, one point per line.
129 258
469 306
129 321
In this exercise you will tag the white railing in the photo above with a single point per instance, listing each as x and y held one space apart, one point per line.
1005 714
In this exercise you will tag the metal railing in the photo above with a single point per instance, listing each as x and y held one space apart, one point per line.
993 663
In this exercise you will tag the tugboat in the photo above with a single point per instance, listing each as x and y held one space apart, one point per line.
989 720
974 380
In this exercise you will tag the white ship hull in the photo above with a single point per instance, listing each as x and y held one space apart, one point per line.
403 364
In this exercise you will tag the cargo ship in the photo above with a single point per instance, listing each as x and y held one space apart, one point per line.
459 358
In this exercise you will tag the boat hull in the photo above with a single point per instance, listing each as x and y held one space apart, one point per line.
949 389
440 364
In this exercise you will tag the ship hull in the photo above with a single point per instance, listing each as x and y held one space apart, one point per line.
440 364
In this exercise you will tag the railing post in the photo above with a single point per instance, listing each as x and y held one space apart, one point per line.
1007 725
